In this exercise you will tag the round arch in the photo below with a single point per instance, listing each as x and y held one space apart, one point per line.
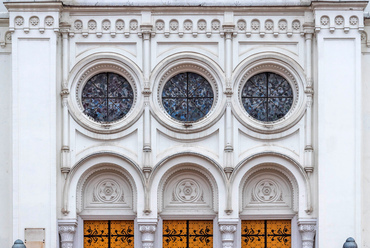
187 161
281 164
99 163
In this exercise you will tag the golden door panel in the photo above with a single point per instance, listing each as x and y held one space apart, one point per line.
187 234
266 234
109 234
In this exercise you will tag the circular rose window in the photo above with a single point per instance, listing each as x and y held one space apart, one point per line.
107 97
187 97
267 97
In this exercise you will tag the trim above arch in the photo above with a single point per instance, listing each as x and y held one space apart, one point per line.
91 163
285 163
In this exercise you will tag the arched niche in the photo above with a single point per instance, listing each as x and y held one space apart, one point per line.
105 190
268 190
187 191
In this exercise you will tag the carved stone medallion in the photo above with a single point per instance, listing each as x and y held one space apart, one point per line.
187 190
108 191
266 191
120 24
215 25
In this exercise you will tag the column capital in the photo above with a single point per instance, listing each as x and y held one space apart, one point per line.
227 234
147 234
307 228
67 230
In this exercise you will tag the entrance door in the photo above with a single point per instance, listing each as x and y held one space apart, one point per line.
187 233
109 234
266 233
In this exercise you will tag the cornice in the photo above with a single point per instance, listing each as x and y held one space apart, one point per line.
278 9
336 5
4 21
34 6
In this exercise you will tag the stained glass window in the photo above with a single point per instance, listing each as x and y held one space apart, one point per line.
267 96
107 97
187 97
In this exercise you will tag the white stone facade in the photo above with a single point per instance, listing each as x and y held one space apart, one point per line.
57 163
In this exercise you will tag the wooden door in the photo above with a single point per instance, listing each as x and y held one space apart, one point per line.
266 233
187 233
109 234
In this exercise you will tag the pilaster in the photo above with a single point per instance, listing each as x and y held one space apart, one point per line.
35 30
338 27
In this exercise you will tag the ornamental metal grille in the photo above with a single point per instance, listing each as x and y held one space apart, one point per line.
267 96
107 97
266 233
109 234
187 233
187 97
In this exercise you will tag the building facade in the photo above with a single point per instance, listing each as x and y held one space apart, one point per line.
185 123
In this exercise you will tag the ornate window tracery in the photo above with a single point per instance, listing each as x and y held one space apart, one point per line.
187 97
107 97
267 97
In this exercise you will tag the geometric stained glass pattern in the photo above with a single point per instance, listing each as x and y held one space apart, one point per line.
187 97
108 234
267 96
266 233
107 97
187 233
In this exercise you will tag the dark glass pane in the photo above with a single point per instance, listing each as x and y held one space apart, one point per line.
256 107
278 86
96 86
187 97
95 108
119 87
176 108
256 86
176 87
107 97
267 96
198 86
278 107
118 108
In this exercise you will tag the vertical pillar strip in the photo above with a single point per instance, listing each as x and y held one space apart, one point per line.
65 156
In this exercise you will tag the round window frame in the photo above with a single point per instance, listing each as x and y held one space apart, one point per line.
78 83
266 122
181 65
187 122
107 122
284 70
